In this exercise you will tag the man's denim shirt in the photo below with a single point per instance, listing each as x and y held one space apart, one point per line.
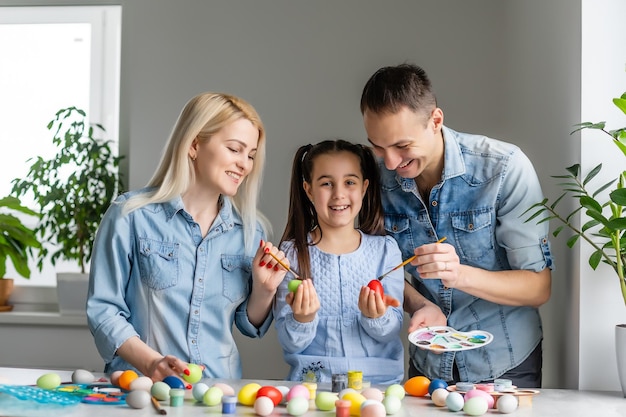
485 187
155 276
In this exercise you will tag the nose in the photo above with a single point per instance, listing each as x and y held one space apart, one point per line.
245 163
391 159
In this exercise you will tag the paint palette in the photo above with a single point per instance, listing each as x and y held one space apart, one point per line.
447 339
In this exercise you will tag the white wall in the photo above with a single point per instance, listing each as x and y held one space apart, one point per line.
603 78
508 69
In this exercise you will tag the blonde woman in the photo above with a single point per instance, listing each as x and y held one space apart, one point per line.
177 263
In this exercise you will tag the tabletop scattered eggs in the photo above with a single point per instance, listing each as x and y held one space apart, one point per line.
373 394
298 390
325 401
142 383
160 390
475 406
263 406
49 381
138 399
455 401
507 403
82 376
417 386
270 392
125 378
480 393
213 396
392 404
195 373
247 393
436 383
171 380
373 408
297 406
395 390
439 397
226 389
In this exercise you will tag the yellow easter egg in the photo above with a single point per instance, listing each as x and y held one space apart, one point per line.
247 393
356 399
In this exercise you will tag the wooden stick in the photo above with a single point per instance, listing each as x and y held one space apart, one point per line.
404 263
157 407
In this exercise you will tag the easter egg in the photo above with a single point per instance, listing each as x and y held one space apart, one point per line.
298 390
198 390
439 397
325 401
392 404
272 393
160 390
195 373
455 401
141 383
138 399
115 377
82 376
436 383
356 400
475 406
345 391
173 381
212 396
480 393
507 403
227 389
283 390
263 406
247 393
373 409
395 390
373 394
293 285
49 381
417 386
376 286
126 378
297 406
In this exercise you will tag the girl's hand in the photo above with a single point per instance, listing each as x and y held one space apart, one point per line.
267 273
166 366
304 302
372 304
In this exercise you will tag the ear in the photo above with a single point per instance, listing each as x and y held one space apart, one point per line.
307 190
437 118
366 184
193 149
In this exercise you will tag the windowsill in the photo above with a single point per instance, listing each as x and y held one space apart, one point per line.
39 306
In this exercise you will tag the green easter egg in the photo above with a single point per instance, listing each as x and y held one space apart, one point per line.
294 284
395 390
195 373
325 401
213 396
49 381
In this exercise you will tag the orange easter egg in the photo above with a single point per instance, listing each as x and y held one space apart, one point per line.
417 386
126 378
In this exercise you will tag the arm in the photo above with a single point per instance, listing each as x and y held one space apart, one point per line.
150 362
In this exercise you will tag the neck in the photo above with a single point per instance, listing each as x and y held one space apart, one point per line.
338 241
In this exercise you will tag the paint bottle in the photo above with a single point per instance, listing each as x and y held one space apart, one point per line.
355 380
229 404
342 408
339 382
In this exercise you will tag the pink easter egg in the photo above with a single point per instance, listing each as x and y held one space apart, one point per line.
298 391
480 393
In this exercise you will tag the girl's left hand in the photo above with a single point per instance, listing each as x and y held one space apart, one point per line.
267 273
371 303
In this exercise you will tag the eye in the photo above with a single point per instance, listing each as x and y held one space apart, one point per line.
350 182
233 150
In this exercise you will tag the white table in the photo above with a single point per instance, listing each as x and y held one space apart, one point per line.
549 402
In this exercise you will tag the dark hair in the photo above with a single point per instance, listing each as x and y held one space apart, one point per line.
391 88
302 217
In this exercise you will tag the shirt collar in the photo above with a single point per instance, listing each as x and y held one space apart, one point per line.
226 217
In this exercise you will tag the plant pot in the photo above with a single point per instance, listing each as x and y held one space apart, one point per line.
6 288
72 290
620 351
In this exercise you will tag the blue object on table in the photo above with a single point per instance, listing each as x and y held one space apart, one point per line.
44 396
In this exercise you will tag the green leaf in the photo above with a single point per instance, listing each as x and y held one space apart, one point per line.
592 174
572 241
617 224
604 187
574 170
557 231
594 259
619 196
621 102
590 204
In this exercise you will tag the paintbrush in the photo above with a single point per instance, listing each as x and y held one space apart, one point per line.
284 265
157 407
404 263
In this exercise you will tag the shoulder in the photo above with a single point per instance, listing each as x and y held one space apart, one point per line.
376 242
480 144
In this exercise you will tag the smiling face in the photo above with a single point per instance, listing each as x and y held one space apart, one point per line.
408 144
336 189
227 157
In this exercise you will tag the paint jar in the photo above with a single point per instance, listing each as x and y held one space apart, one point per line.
177 397
355 379
488 387
502 384
229 404
342 408
464 386
312 387
339 382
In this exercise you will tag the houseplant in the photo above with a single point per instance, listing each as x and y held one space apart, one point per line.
605 224
72 189
16 241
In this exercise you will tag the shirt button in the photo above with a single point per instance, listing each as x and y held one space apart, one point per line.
195 312
394 228
199 279
193 342
470 226
201 249
434 203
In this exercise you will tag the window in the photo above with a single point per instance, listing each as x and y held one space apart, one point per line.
52 58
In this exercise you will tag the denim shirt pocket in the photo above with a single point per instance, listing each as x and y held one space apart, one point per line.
158 263
398 227
473 233
236 273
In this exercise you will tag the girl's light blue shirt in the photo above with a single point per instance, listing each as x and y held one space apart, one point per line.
341 338
478 206
153 275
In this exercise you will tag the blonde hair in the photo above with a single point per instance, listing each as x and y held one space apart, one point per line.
201 118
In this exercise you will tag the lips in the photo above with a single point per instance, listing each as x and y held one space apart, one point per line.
234 175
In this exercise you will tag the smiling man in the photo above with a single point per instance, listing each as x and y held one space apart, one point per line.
493 271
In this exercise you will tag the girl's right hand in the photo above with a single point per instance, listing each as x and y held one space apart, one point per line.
304 302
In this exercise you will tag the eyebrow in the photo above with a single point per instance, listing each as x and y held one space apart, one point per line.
242 143
345 176
398 143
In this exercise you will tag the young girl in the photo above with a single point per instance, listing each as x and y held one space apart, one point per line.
176 264
335 188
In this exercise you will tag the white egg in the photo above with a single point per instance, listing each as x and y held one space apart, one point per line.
198 391
138 399
82 376
392 404
141 383
263 406
455 401
284 390
439 396
161 391
507 404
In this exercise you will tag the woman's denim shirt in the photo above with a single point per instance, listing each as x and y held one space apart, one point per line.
153 275
485 188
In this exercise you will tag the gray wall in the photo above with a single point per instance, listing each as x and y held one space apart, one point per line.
509 69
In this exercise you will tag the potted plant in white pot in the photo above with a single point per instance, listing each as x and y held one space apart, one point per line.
16 242
72 190
605 208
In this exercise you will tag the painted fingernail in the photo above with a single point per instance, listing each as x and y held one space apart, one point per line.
276 268
187 372
261 244
188 386
269 266
267 250
262 263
